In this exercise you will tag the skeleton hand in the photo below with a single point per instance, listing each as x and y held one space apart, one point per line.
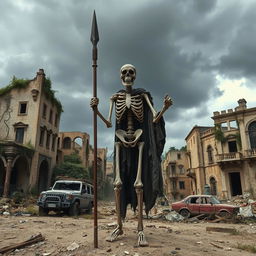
94 102
167 101
108 124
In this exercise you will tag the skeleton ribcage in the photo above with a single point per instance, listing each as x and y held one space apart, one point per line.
136 106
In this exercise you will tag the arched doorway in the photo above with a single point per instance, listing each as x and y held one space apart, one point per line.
2 176
78 143
43 176
20 175
252 134
213 186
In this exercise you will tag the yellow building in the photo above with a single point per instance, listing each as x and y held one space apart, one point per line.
223 157
29 126
177 184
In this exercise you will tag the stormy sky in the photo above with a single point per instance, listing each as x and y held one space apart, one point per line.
200 52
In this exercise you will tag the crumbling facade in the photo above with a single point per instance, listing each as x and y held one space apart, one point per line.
174 168
222 158
29 126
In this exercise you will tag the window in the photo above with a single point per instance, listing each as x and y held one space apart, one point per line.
182 184
181 168
44 110
23 108
50 116
213 186
209 152
232 146
56 120
19 135
66 143
53 142
41 140
252 134
178 156
48 138
173 169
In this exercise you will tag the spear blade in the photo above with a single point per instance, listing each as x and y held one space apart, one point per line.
94 32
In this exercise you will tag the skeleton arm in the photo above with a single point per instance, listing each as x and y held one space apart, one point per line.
157 116
94 105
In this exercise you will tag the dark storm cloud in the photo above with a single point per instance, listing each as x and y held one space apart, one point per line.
177 47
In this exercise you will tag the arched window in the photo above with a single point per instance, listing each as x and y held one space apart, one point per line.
67 142
213 186
209 152
252 134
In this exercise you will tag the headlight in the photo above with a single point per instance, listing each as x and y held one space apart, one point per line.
69 197
42 196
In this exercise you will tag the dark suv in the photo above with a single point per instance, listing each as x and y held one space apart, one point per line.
68 196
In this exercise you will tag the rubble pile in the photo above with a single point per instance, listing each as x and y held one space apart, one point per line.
9 206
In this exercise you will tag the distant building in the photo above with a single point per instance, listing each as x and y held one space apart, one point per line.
70 142
29 126
174 168
222 158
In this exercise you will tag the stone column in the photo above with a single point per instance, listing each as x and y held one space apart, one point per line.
8 176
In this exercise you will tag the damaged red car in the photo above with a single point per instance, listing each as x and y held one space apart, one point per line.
203 204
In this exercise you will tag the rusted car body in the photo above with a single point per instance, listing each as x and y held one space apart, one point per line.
203 204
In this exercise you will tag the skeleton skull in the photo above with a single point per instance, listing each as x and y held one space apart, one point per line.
128 74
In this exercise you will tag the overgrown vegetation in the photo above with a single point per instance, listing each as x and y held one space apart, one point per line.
23 83
71 167
50 95
219 135
15 83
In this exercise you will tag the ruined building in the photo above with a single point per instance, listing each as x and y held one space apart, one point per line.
70 142
29 126
222 158
177 184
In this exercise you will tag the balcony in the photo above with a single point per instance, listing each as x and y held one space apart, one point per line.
229 158
250 153
173 175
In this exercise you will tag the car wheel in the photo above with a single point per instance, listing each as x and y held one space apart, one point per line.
42 211
74 209
89 210
185 213
224 214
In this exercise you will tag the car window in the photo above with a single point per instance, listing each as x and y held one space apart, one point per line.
205 200
83 188
194 200
88 190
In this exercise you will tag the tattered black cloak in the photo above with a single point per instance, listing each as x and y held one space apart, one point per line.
154 138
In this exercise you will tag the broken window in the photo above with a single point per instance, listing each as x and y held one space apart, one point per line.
41 140
194 200
232 146
50 117
48 137
233 125
67 143
182 184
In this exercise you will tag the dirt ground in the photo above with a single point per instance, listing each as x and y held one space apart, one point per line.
164 237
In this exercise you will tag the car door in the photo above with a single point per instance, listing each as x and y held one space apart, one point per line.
193 205
206 207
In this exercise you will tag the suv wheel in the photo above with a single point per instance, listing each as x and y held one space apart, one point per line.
74 209
42 211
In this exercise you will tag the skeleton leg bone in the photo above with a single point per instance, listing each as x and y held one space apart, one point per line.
139 191
118 186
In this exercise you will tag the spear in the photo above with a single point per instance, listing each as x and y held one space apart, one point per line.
95 40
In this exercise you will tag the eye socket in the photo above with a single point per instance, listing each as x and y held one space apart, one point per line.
131 72
124 72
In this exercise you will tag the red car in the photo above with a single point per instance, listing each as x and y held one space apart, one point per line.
203 204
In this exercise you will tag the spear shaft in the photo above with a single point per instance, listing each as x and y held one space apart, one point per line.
94 40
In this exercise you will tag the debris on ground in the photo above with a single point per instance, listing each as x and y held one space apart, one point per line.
30 241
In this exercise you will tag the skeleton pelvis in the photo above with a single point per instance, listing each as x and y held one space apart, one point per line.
128 140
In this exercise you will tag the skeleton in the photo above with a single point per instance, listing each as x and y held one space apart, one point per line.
132 106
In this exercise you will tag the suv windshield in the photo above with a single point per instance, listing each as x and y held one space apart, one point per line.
66 186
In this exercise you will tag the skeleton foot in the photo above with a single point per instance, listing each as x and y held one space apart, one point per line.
116 232
142 239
